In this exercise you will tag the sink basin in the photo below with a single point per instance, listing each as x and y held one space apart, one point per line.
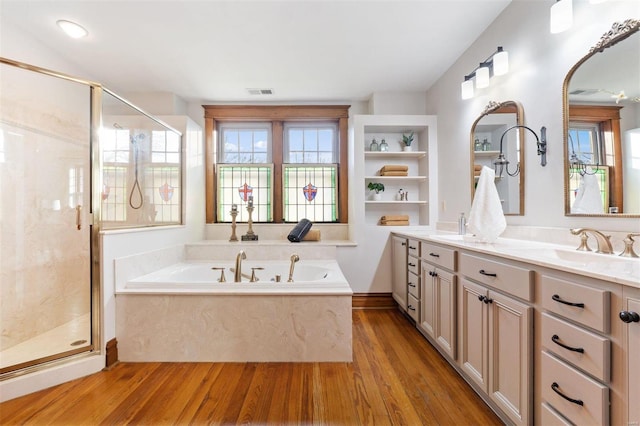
582 259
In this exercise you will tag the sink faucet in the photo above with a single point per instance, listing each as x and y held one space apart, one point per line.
628 246
604 242
238 272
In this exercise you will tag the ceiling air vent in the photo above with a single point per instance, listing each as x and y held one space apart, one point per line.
260 91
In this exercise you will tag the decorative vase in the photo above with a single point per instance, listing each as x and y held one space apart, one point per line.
376 196
407 148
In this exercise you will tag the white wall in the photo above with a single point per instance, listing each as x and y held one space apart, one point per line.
539 62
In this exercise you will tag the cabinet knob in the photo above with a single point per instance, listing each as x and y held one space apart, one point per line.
404 244
481 298
487 300
434 255
628 317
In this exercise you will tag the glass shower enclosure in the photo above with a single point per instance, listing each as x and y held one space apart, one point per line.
56 178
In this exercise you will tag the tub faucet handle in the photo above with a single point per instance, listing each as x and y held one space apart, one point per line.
222 278
253 274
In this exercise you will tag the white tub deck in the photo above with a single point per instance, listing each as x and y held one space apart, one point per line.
160 319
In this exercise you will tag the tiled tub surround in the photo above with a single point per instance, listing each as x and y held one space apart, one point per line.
195 321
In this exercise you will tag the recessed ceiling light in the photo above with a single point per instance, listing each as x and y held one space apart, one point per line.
72 29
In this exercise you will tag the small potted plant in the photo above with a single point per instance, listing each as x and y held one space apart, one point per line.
377 187
407 140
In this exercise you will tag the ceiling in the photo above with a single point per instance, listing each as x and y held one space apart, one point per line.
213 51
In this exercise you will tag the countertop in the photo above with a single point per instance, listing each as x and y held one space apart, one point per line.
607 267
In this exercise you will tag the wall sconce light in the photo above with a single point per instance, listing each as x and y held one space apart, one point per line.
496 64
501 164
561 16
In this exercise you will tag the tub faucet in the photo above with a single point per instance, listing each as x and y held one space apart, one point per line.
294 259
604 242
237 277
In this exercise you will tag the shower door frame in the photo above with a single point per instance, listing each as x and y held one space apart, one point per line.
95 179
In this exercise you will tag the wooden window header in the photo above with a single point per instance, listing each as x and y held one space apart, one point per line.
276 112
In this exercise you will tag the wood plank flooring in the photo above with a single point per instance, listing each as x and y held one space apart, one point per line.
396 378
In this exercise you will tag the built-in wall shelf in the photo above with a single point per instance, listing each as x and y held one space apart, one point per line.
398 178
395 154
395 202
486 153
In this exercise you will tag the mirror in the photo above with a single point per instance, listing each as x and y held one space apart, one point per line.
486 133
601 96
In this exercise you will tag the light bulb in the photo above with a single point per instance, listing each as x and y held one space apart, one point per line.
72 29
561 16
467 89
482 77
501 62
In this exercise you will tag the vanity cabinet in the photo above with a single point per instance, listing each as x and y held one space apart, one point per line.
496 331
496 347
631 337
413 279
399 270
575 349
438 297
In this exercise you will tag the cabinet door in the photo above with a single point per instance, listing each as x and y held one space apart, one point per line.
427 301
474 338
510 335
445 307
632 304
399 265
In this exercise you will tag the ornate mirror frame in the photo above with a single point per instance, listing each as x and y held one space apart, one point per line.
494 107
617 33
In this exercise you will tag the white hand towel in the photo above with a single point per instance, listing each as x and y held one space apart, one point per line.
486 219
588 199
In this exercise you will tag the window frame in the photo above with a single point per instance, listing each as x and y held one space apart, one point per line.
276 115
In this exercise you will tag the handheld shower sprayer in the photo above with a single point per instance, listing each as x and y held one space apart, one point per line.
294 259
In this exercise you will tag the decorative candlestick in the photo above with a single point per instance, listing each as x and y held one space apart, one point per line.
234 213
250 235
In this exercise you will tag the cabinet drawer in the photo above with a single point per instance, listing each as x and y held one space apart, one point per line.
586 305
413 248
596 350
413 307
510 279
413 284
568 381
440 256
550 417
413 265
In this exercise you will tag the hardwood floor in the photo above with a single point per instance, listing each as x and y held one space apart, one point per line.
396 378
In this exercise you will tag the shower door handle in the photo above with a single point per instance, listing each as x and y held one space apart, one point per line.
79 217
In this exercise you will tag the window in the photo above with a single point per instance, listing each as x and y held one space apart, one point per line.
141 177
585 142
291 159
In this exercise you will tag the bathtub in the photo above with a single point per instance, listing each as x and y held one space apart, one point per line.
181 313
321 277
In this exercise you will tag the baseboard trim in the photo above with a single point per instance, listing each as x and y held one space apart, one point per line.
373 301
111 351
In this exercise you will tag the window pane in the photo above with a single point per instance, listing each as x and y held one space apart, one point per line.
311 140
325 140
325 157
236 183
261 141
295 140
310 192
245 140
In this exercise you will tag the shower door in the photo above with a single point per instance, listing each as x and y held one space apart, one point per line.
45 220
